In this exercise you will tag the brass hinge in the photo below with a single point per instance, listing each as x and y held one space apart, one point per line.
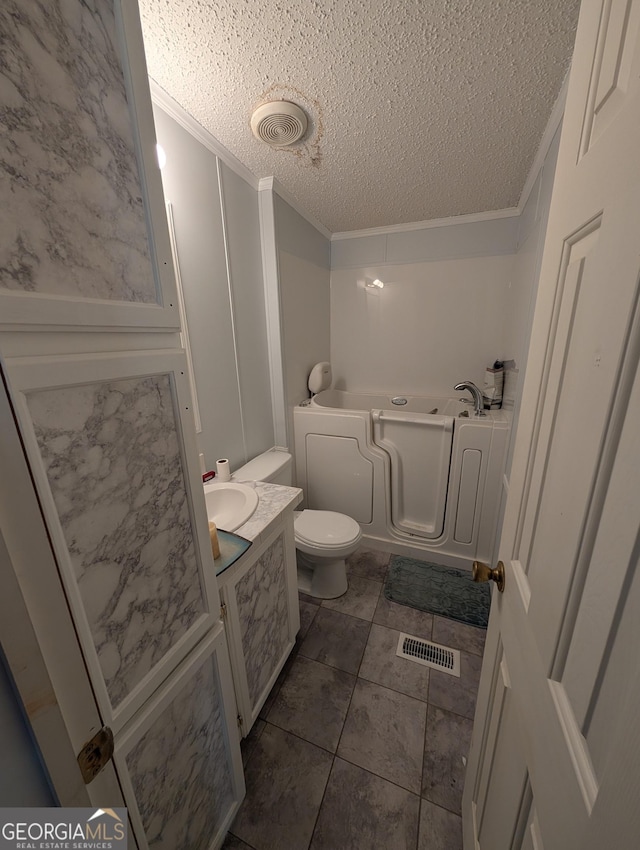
95 754
223 611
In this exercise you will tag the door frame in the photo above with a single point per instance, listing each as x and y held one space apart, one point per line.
36 631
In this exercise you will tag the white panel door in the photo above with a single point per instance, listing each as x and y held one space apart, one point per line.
556 743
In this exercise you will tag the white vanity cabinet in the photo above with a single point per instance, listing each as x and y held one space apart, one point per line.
259 597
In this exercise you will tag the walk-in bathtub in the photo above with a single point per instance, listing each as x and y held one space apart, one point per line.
421 474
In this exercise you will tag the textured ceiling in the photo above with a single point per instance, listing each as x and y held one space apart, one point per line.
419 109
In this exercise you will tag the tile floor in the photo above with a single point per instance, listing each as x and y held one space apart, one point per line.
355 748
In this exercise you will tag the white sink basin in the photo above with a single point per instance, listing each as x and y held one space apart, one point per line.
229 505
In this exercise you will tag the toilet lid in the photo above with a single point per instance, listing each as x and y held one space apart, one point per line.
326 528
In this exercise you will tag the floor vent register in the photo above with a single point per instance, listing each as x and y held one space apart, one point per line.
430 654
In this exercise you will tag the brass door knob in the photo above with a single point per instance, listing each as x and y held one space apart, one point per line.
483 572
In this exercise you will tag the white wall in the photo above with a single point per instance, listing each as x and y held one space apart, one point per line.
304 257
218 237
440 318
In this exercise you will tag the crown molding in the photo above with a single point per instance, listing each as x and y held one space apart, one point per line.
426 225
274 184
160 97
555 119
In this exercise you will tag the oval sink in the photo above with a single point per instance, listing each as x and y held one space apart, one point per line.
229 505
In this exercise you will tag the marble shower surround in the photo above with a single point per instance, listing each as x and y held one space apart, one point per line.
111 455
73 221
180 768
264 620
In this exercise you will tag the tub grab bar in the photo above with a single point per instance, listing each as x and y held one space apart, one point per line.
419 419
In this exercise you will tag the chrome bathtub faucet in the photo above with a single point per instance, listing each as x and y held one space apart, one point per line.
476 393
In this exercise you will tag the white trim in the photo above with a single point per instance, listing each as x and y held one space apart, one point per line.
184 331
271 279
232 306
472 218
553 123
277 187
160 97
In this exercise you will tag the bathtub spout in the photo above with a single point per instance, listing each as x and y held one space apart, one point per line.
476 393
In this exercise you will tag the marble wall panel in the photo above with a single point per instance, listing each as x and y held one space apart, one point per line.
72 220
112 458
264 617
180 768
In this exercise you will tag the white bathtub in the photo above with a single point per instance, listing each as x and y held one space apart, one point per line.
418 476
342 400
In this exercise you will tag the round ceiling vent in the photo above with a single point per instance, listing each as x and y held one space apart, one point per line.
279 123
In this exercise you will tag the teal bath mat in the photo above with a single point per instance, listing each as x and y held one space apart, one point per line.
438 590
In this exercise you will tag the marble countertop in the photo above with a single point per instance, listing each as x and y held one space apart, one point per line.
273 500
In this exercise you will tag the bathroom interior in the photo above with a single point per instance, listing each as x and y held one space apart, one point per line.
375 270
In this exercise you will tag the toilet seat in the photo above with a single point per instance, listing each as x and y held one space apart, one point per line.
325 529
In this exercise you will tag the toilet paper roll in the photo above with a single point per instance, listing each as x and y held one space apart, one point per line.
223 470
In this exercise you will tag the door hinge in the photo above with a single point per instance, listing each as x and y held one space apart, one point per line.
223 611
95 754
240 721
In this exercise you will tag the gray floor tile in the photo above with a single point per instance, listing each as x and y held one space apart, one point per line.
384 733
360 600
336 639
369 564
307 615
313 702
459 635
312 600
457 695
247 745
381 665
403 618
233 843
361 811
285 786
439 829
446 744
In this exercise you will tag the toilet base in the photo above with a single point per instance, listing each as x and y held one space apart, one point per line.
326 579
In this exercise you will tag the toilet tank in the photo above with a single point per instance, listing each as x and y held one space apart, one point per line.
273 466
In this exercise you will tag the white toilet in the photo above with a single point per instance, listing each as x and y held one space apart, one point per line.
324 539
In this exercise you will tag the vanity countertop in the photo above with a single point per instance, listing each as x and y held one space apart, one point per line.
273 500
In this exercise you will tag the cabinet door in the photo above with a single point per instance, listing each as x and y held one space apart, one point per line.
111 448
120 594
180 758
263 619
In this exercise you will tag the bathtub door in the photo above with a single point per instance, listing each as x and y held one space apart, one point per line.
556 741
419 449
